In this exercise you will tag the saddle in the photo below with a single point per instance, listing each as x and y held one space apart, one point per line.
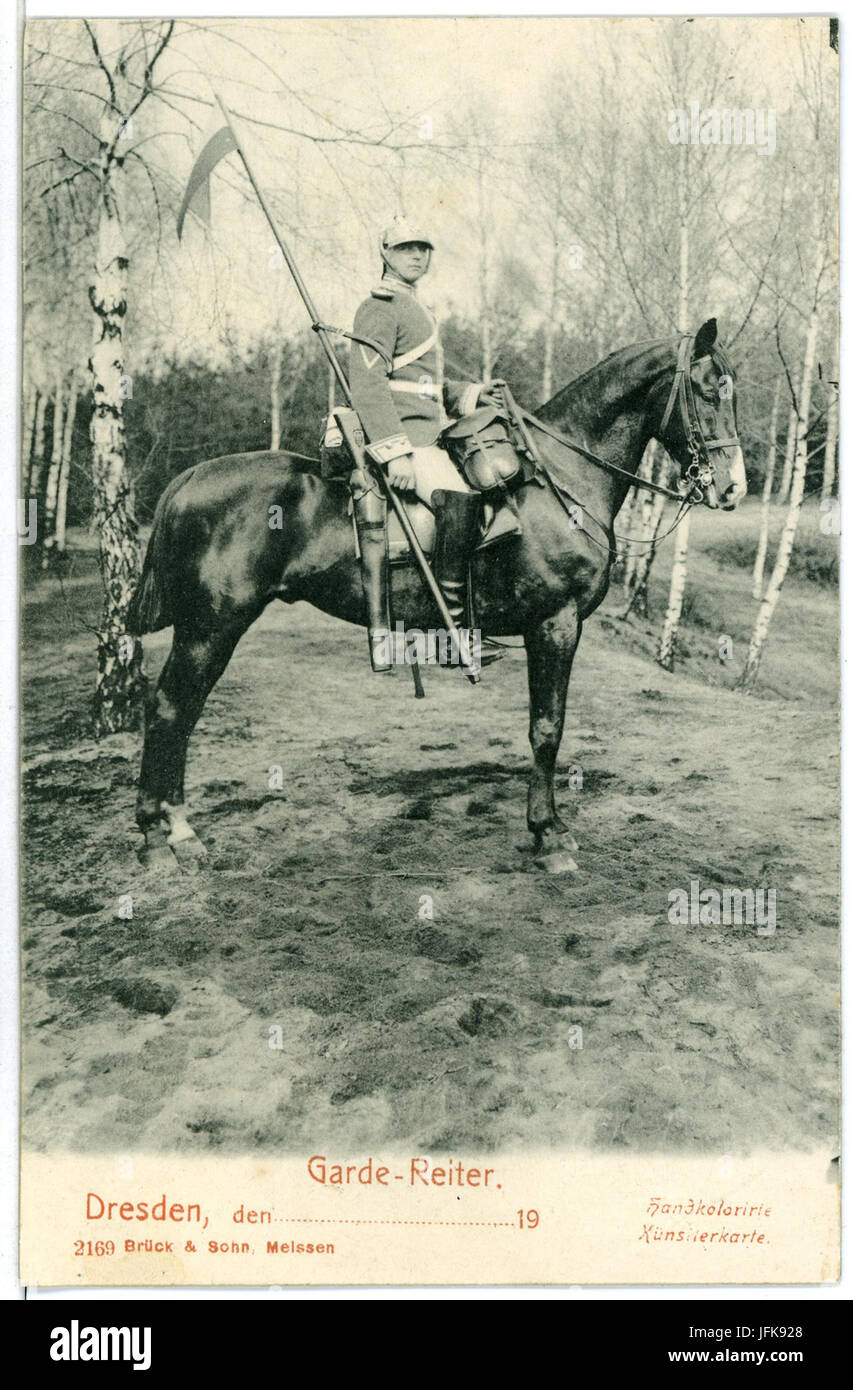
484 453
496 524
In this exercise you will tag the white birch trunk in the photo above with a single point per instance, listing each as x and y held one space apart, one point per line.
485 304
27 436
769 474
790 448
275 394
550 327
65 471
677 584
683 249
548 360
678 578
636 520
798 480
51 488
37 461
831 443
638 594
119 682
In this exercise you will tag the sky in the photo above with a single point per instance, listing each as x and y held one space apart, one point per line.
416 80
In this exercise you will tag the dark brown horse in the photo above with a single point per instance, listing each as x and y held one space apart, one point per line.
214 560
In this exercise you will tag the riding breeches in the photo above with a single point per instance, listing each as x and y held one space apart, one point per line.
434 469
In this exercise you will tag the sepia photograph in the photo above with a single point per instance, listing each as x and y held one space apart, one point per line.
429 645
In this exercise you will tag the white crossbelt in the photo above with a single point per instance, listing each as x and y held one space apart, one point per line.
407 358
425 388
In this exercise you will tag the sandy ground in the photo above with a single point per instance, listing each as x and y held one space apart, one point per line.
296 992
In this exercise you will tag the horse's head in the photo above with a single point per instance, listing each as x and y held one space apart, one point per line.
698 426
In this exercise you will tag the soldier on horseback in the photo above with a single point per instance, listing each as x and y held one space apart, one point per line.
403 401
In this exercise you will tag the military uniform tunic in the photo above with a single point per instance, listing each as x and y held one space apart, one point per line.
398 386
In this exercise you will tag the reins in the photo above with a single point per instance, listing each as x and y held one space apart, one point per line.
560 492
698 473
598 461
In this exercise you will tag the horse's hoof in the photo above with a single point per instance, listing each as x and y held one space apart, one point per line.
556 861
189 851
159 859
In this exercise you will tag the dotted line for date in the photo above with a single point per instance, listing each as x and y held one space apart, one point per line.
378 1221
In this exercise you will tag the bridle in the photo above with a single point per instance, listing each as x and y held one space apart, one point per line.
699 473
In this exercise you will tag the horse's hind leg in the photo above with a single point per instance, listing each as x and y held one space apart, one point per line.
172 708
550 650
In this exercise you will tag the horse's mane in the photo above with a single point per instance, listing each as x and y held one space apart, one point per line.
617 352
575 390
585 389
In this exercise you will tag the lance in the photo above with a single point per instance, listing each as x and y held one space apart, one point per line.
322 331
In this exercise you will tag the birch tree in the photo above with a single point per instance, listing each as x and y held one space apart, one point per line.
65 466
85 83
275 393
548 176
678 578
484 266
119 681
817 93
790 448
766 496
768 604
475 129
638 593
634 518
51 487
37 461
28 434
831 442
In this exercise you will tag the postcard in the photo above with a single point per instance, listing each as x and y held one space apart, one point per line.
429 538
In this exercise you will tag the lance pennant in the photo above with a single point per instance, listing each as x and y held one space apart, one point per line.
198 188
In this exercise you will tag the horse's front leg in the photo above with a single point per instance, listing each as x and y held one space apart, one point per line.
550 649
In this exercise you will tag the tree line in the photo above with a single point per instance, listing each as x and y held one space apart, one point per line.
582 226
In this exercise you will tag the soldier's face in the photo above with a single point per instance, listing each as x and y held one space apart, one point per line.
410 260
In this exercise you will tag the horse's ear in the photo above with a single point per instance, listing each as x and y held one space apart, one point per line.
705 339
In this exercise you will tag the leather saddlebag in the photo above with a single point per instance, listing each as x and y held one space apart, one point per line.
480 446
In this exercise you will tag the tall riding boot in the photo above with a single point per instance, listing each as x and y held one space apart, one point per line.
369 509
456 527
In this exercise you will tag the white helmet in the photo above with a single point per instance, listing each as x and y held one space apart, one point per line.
400 231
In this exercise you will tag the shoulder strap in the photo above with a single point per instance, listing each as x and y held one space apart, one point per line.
355 338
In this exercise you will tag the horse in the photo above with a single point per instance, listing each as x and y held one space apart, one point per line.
214 560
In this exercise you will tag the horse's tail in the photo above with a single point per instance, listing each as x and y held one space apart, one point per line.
150 609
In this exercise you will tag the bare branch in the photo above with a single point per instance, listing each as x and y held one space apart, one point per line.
101 64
